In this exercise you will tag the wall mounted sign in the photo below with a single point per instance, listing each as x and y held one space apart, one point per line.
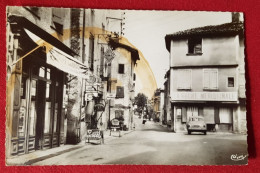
205 96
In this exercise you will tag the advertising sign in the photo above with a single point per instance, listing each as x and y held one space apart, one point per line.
205 96
93 134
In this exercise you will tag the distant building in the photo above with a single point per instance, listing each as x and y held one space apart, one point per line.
207 76
158 102
121 82
167 104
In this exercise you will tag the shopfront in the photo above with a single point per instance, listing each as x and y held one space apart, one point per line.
217 108
36 88
40 120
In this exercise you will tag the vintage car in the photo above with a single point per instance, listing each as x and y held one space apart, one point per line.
196 124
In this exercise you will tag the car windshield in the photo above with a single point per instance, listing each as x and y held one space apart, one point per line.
196 119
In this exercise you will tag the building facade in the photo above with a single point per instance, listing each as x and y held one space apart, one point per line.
207 76
59 73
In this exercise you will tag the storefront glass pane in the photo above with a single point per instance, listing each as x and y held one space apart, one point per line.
47 117
55 118
32 118
22 116
42 71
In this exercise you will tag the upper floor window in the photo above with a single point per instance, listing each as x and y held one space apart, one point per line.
195 46
121 68
230 82
57 19
210 79
119 92
91 52
134 77
184 79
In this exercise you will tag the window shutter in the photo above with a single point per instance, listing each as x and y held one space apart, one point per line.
214 79
206 79
184 79
57 15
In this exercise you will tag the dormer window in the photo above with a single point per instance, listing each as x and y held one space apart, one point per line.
195 46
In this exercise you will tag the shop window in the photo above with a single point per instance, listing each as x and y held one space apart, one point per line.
184 78
231 82
119 92
121 68
210 79
57 19
195 46
42 72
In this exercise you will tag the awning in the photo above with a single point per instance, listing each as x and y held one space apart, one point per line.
60 59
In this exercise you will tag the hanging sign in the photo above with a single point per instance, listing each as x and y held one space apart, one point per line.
109 55
99 107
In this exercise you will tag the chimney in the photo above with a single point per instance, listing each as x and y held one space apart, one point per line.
237 17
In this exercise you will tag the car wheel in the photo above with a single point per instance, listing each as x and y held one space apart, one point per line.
189 132
205 132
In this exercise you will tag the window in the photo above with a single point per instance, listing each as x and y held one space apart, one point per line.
231 82
91 52
134 77
57 19
121 68
195 46
210 79
184 79
119 92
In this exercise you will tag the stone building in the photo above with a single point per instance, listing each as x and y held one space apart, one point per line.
40 54
58 74
207 76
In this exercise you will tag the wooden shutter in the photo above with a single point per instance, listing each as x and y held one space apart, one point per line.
184 79
214 79
206 79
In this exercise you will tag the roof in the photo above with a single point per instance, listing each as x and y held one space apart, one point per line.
206 31
114 43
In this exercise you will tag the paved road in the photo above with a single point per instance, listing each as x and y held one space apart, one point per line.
153 144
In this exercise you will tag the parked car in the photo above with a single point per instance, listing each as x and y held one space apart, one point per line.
196 124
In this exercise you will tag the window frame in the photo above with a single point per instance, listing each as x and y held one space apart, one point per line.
233 82
194 45
119 95
123 66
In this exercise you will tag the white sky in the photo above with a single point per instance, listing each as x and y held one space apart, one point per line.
146 31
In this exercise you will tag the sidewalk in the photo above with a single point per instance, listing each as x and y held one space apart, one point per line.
39 155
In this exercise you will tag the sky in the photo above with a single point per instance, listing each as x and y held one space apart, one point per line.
146 31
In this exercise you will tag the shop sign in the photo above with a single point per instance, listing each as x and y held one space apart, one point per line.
99 107
93 134
109 55
205 96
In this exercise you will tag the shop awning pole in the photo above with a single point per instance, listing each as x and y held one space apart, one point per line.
27 54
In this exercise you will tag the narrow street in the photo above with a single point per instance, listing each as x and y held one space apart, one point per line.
154 144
